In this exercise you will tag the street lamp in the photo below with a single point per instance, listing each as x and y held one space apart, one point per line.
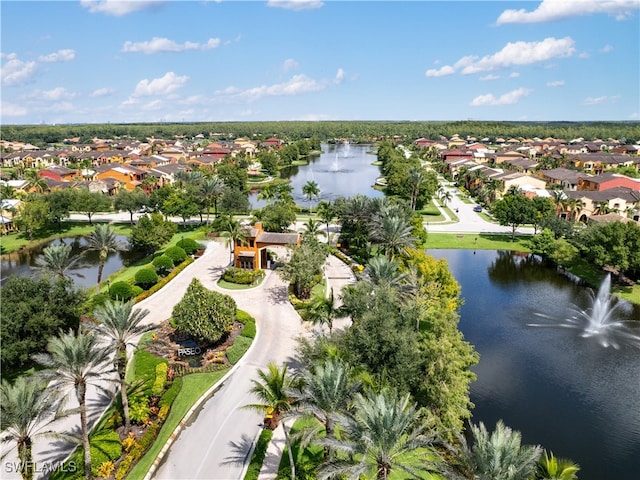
109 286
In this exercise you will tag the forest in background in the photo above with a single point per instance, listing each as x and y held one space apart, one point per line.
356 131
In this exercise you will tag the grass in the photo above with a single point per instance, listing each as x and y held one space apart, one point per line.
258 454
193 387
240 346
15 241
478 241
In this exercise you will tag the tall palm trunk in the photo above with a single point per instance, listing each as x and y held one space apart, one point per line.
122 370
26 459
81 391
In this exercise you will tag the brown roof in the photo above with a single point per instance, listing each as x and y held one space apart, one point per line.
278 238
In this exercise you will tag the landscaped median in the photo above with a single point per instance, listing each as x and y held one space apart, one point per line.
163 395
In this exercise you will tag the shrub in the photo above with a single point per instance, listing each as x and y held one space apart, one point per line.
161 379
129 442
105 447
121 291
106 469
162 264
249 329
146 277
176 254
139 410
204 314
189 245
171 393
238 349
165 280
241 276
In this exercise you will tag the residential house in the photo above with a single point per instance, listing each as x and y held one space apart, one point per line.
272 143
59 173
8 207
618 199
501 157
567 179
167 172
608 180
599 162
252 253
520 180
130 177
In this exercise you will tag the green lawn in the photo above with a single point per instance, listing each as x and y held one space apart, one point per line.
15 241
258 454
477 241
193 387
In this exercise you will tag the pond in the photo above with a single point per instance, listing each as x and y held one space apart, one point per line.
84 273
560 389
341 170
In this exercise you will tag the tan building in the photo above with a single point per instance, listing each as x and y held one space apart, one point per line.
252 253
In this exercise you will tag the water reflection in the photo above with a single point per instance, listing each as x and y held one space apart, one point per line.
340 171
559 389
84 273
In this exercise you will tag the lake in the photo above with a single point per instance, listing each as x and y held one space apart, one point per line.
565 392
84 273
341 170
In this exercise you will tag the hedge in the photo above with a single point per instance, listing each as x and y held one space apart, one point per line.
163 264
189 245
242 276
121 291
165 280
177 254
161 379
146 277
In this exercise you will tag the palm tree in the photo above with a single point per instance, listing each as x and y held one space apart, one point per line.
602 208
326 392
326 212
38 183
445 197
310 190
385 272
234 234
322 311
381 436
26 410
75 362
120 326
267 193
103 240
552 468
312 229
416 179
499 455
273 390
211 191
392 233
56 260
284 192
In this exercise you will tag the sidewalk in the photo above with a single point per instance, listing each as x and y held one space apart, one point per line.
338 276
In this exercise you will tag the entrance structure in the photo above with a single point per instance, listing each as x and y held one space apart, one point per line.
251 254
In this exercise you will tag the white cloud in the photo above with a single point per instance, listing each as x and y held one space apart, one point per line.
160 86
102 92
514 75
553 10
522 53
15 71
297 85
490 77
339 76
12 110
65 55
556 83
119 8
601 100
296 5
153 105
607 49
508 98
584 55
512 54
160 44
289 64
54 94
440 72
634 116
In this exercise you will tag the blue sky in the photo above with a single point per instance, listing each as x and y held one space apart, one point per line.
98 61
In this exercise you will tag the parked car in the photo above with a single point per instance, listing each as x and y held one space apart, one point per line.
477 208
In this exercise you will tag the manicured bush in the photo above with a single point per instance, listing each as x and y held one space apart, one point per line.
203 314
176 254
189 245
238 349
165 280
161 379
242 276
121 291
249 329
171 393
139 409
146 277
162 264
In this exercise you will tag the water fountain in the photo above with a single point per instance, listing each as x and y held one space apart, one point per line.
599 320
335 165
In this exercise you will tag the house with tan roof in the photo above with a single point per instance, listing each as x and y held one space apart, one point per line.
252 254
